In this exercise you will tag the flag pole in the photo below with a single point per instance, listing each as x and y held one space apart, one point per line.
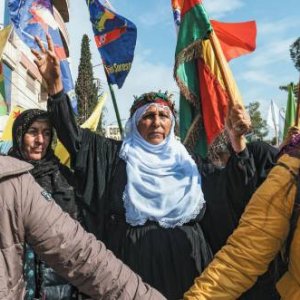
298 106
113 97
223 68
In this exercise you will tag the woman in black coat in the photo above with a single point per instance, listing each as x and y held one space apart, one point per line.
142 196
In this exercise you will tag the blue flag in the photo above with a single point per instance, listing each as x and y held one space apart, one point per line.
35 18
115 38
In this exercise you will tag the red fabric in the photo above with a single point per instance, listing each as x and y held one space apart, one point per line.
189 4
60 52
236 39
109 37
214 101
177 4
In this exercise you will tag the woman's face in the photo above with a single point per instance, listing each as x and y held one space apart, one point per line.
36 140
155 124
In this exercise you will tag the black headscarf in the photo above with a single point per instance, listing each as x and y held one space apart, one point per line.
20 127
48 171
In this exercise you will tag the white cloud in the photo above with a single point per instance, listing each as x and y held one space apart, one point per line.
271 53
159 14
257 76
278 27
219 8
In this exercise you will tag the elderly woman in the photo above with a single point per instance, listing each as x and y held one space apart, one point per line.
142 196
32 137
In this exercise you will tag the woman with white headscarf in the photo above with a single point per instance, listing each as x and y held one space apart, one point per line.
142 196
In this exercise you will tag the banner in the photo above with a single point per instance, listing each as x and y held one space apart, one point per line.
115 37
35 18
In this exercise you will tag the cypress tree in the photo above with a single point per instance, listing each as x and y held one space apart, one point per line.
86 89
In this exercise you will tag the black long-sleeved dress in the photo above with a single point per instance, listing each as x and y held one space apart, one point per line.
227 192
168 259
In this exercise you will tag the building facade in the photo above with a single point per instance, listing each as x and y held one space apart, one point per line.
113 132
23 84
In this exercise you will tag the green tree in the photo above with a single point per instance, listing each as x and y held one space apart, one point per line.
295 56
259 125
286 88
87 88
295 53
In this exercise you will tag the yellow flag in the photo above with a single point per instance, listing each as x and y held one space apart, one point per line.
14 113
4 35
91 123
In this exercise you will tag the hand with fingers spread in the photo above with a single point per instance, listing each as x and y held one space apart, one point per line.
48 65
237 124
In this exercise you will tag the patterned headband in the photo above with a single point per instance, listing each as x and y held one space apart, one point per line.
153 97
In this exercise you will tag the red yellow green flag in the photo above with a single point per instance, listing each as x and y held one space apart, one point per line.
204 95
194 27
236 39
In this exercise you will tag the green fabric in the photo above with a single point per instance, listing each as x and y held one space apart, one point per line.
3 107
290 112
194 27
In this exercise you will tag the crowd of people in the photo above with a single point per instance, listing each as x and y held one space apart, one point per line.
188 227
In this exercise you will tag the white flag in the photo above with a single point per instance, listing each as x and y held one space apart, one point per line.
273 116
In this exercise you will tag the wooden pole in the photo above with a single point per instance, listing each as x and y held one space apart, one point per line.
223 68
298 106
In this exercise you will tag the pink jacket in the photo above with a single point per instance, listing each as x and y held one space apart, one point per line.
27 210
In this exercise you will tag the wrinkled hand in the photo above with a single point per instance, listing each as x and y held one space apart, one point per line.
237 124
48 65
238 121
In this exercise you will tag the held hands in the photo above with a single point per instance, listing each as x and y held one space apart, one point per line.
48 65
237 124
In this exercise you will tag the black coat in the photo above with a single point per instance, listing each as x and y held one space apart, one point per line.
167 258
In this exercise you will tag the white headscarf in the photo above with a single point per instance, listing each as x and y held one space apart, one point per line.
164 184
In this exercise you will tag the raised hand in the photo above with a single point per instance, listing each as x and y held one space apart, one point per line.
48 65
237 124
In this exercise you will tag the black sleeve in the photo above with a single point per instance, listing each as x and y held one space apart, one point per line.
93 159
264 156
63 120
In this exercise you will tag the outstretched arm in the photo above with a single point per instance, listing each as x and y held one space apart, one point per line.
74 253
253 245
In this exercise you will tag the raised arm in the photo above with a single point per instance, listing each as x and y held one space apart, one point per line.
75 254
237 124
59 105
